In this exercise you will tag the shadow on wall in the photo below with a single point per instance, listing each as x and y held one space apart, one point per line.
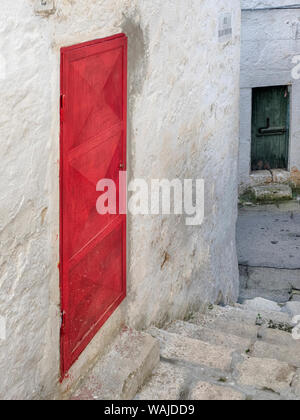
137 55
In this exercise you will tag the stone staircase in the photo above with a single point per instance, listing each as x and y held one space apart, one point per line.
245 352
118 375
241 352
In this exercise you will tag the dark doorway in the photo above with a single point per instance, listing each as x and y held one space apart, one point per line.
270 128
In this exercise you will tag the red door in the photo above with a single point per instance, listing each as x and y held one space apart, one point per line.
93 147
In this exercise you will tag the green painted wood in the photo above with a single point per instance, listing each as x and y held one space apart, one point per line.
270 128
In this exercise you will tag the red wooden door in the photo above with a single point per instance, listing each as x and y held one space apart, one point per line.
93 147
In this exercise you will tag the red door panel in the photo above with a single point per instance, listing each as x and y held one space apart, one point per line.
93 147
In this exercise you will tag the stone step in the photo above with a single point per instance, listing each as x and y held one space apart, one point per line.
261 178
239 325
242 322
281 176
167 383
178 382
191 369
206 391
241 352
215 337
120 374
241 313
288 309
277 337
270 283
284 313
267 374
284 353
261 305
171 382
289 349
272 192
175 347
281 313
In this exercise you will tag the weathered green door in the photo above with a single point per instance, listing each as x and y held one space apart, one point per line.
270 128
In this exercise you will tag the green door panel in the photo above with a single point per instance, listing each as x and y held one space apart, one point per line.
270 128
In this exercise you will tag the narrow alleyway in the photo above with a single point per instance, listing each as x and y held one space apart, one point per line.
269 251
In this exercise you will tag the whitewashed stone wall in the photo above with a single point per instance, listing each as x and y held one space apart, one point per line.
183 122
270 41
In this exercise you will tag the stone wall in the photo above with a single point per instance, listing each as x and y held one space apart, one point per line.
183 123
270 41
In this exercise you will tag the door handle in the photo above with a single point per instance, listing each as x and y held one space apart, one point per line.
270 131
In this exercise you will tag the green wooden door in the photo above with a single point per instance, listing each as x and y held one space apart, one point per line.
270 128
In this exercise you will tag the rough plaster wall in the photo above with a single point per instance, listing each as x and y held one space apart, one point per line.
24 194
183 108
192 133
270 40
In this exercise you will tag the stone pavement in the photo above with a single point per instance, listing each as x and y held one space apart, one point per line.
268 242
